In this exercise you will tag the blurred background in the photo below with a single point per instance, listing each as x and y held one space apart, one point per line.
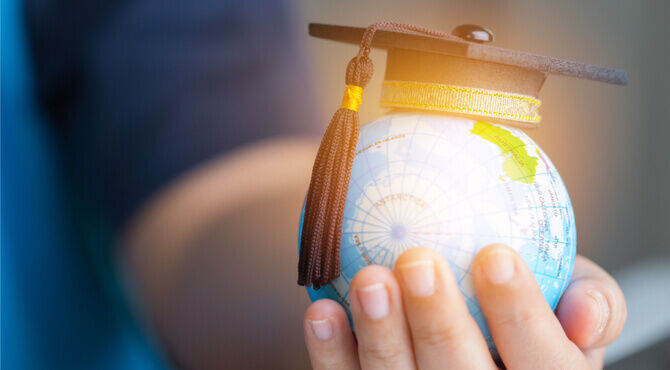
609 144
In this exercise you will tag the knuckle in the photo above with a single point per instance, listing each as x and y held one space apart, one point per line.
382 352
522 319
437 337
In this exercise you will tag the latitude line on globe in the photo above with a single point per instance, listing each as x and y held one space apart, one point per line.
529 239
366 196
489 161
486 166
493 213
425 160
360 221
388 171
440 246
404 170
369 173
447 162
364 211
425 164
470 196
374 179
353 260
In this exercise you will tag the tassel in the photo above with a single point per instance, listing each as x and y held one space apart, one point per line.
322 225
319 260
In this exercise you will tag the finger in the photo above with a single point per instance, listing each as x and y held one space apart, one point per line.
596 357
592 310
444 334
379 320
523 326
329 339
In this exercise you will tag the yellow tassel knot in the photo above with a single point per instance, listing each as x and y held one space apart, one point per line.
353 97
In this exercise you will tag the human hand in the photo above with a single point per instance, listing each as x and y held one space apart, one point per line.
415 317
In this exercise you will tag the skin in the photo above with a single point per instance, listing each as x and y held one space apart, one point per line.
427 325
216 293
210 262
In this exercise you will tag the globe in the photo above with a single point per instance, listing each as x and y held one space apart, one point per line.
454 185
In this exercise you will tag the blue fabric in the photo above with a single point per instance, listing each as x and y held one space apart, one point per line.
55 312
141 91
103 103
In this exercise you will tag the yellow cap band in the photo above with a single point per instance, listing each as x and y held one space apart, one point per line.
353 97
458 99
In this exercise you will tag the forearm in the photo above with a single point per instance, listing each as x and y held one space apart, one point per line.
212 260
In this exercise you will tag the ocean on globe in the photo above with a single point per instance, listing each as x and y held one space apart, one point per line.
454 185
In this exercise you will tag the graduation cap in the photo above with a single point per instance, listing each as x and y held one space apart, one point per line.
456 73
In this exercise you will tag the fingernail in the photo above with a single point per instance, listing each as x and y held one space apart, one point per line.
419 277
603 309
375 300
498 266
322 329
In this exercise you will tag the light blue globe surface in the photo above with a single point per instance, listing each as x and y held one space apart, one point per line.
454 185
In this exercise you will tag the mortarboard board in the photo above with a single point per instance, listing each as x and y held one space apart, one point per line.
426 70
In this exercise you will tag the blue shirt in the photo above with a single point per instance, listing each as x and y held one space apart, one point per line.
103 103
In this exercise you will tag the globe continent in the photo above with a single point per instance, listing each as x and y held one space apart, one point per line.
454 185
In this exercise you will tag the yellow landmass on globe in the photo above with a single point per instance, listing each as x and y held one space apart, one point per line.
519 166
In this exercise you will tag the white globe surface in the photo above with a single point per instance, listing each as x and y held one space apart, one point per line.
454 185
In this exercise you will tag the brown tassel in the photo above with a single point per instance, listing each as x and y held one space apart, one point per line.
322 224
324 208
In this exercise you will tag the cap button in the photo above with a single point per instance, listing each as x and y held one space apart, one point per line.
473 33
